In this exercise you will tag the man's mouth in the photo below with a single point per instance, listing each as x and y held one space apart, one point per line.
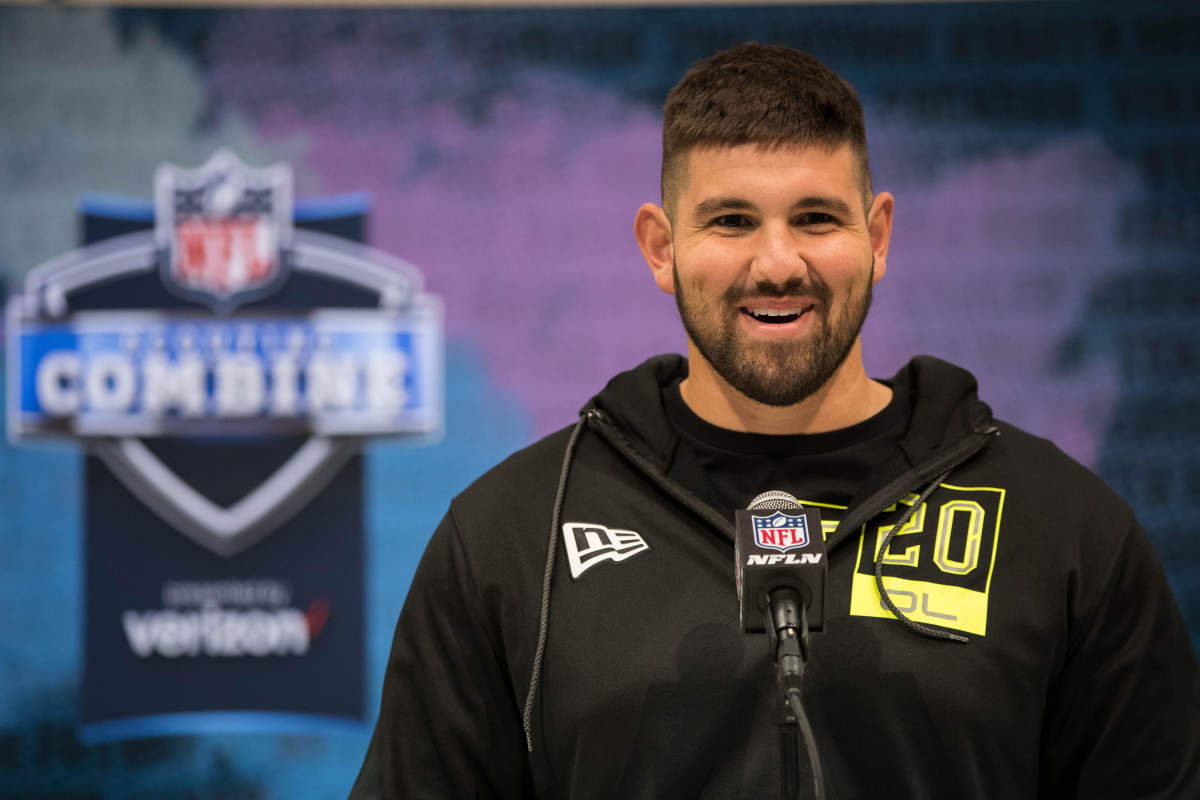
776 316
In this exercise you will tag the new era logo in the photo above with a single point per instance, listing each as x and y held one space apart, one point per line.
589 544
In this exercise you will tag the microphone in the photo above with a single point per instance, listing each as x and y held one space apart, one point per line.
779 546
781 569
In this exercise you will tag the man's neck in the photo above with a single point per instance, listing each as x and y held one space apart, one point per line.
847 398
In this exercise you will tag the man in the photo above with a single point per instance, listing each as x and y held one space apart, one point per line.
572 630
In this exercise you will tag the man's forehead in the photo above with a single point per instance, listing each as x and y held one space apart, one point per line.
837 159
823 170
784 147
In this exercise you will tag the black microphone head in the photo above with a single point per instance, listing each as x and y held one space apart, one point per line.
779 543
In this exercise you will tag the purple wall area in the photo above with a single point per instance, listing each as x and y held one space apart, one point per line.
518 205
991 266
516 194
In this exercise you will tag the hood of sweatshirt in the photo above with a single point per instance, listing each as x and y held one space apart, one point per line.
948 423
943 399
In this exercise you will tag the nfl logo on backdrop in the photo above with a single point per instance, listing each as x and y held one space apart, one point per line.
780 531
223 229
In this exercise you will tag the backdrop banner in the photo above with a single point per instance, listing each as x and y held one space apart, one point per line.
222 355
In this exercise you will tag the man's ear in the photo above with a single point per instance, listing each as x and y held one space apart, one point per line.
653 232
879 223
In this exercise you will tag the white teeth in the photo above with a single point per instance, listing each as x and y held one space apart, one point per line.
773 313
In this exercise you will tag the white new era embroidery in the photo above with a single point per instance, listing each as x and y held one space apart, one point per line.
588 544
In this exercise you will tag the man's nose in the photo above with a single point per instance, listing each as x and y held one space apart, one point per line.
778 256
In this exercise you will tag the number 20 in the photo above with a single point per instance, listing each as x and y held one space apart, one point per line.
941 546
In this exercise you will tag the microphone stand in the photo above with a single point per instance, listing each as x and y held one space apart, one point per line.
787 629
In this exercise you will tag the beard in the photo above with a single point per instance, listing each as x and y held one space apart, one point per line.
775 373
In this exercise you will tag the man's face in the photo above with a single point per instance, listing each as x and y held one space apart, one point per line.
773 265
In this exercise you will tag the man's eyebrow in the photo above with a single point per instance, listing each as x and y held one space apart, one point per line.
829 203
716 205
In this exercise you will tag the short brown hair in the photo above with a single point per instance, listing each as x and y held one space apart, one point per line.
759 94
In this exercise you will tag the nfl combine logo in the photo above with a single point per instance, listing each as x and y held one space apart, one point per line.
780 531
306 336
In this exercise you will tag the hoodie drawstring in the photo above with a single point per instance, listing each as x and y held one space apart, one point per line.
916 627
544 617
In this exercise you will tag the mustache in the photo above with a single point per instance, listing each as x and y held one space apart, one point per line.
792 287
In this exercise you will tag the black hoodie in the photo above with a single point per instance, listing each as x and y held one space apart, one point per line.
1035 649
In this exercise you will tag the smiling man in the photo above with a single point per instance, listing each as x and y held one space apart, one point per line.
780 246
996 624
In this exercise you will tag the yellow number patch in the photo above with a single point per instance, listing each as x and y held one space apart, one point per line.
938 567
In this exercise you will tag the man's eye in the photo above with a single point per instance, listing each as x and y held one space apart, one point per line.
731 221
815 218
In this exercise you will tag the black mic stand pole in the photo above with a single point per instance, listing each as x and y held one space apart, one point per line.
787 629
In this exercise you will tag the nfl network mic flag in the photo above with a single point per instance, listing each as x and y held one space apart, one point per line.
221 354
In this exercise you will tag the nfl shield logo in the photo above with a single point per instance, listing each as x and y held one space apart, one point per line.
222 229
780 532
